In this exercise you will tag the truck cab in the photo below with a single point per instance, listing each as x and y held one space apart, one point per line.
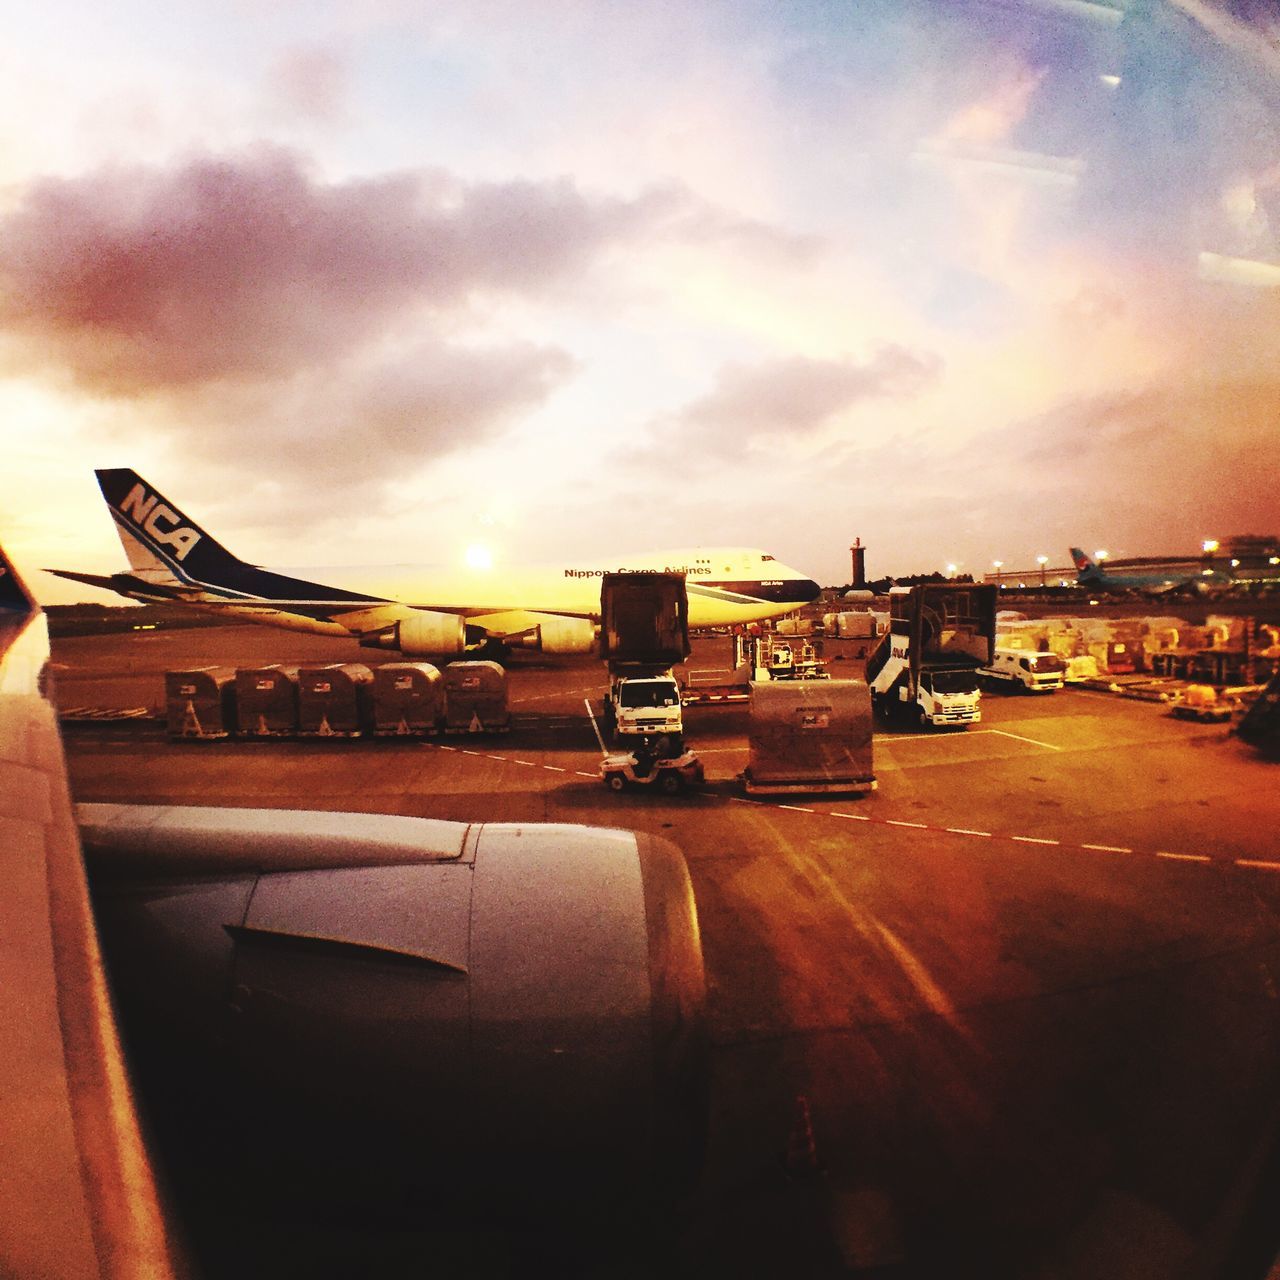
645 708
947 695
1039 671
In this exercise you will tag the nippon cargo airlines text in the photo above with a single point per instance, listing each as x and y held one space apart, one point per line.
671 568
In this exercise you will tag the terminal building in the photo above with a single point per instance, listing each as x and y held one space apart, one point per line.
1248 558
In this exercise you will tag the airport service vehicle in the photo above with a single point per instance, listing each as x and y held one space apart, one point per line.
755 659
1038 671
644 706
671 775
419 611
1203 702
940 635
644 631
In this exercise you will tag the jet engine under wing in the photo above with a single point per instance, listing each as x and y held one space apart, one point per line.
77 1193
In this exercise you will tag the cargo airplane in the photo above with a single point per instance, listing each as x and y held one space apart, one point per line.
416 610
1093 577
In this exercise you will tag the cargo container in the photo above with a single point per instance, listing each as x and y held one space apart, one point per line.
267 701
855 626
201 702
475 698
408 698
335 701
809 736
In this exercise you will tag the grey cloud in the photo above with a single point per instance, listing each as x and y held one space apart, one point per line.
797 395
137 280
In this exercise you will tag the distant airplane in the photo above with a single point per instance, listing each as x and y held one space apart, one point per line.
1094 577
418 610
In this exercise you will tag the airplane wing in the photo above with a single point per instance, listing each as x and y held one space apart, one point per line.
77 1193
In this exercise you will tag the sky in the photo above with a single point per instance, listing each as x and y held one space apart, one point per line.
372 281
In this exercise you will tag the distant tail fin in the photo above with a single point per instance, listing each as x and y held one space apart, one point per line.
164 546
1084 566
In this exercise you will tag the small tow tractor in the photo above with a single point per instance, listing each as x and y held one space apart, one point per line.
671 774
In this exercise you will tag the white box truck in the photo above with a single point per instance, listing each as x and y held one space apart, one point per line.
1038 671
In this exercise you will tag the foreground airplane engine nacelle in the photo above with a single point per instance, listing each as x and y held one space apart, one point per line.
514 1000
563 636
423 635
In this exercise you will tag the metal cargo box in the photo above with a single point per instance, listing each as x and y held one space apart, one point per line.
200 703
475 698
855 626
809 735
644 617
267 701
335 701
408 697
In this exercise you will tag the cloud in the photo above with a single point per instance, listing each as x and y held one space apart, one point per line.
796 396
130 280
310 83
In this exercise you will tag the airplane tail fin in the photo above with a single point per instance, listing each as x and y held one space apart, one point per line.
1082 562
164 546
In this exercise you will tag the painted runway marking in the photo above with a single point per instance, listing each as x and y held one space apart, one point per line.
543 697
1261 864
1035 742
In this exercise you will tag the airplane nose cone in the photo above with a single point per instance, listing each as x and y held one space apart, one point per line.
805 591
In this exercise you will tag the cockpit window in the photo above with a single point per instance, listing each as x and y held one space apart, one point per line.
764 557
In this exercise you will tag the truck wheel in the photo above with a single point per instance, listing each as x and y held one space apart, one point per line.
615 782
671 783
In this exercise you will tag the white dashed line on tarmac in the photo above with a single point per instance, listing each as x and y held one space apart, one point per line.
1035 742
1169 855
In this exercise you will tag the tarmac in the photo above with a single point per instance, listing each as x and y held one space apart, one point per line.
1016 1013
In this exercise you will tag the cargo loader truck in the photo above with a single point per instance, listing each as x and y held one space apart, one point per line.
644 632
927 663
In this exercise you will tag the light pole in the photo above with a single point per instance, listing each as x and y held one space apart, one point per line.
999 564
1042 561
